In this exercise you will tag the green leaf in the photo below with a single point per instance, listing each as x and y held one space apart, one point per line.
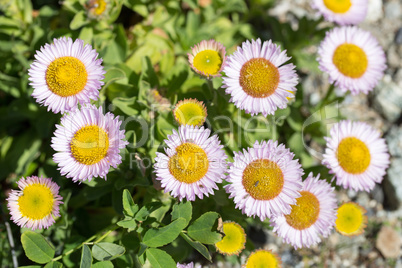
129 207
78 20
165 235
159 258
201 229
105 251
198 246
36 247
128 223
147 209
103 264
182 210
86 257
54 264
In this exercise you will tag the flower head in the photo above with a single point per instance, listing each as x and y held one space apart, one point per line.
207 58
65 73
351 219
357 155
192 164
313 214
97 8
263 258
87 143
257 78
264 180
234 240
190 112
36 203
188 265
353 59
342 12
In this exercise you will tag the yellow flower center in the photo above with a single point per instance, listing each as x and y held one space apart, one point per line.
190 112
208 61
350 219
263 179
259 78
305 212
234 240
189 164
338 6
36 201
353 155
66 76
89 145
350 60
100 7
262 259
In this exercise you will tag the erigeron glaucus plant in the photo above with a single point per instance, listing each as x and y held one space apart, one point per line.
183 126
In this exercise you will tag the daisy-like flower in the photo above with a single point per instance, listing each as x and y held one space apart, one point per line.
314 214
351 219
356 155
342 12
190 112
264 180
353 59
188 265
87 143
263 258
234 240
207 58
65 73
36 203
257 78
192 164
96 8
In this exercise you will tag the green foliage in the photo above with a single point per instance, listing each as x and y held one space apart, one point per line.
105 251
36 247
202 229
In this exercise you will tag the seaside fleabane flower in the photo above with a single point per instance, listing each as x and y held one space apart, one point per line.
264 180
257 78
96 8
342 12
190 112
187 265
313 214
234 239
87 143
207 58
356 155
351 219
192 164
66 73
353 59
263 258
36 204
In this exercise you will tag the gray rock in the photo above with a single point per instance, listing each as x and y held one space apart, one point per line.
388 100
394 141
388 242
374 12
393 10
394 176
393 57
398 37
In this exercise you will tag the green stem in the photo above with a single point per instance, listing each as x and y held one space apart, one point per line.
327 96
87 242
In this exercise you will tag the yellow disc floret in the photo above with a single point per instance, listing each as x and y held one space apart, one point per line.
263 179
190 112
259 78
305 212
189 164
89 145
263 259
338 6
353 155
350 60
208 61
66 76
350 219
234 240
100 7
36 201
